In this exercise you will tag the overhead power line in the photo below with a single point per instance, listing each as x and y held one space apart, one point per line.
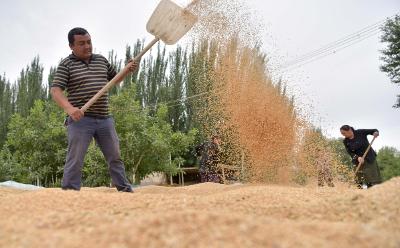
335 46
330 52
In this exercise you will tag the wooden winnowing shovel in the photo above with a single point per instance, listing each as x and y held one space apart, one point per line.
169 22
364 155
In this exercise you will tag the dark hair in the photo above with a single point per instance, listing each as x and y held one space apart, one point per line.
75 31
345 127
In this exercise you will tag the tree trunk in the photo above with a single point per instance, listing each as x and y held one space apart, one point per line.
135 170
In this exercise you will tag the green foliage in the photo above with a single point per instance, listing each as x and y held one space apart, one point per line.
201 89
6 107
112 58
30 87
50 78
21 96
147 142
391 55
300 177
389 162
9 168
175 89
132 77
37 144
340 151
95 170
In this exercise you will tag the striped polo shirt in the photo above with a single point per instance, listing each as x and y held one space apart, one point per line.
83 80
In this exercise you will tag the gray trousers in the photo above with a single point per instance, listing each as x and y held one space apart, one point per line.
80 134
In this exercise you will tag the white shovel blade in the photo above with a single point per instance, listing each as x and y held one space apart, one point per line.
170 22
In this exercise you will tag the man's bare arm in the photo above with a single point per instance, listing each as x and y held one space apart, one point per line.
59 97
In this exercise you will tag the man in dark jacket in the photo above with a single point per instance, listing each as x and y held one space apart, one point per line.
356 144
209 152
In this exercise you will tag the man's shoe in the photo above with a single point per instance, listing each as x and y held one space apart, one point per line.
127 190
70 189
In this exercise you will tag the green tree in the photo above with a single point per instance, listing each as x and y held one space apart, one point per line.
151 77
29 87
6 107
148 143
116 63
201 88
37 144
389 162
36 147
50 79
155 77
129 54
9 168
95 170
175 89
340 151
391 54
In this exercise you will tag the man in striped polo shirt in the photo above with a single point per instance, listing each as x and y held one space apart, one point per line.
82 74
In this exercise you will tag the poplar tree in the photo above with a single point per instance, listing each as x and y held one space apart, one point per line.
29 87
176 89
6 107
391 54
113 60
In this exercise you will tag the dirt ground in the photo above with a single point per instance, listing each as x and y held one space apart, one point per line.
203 215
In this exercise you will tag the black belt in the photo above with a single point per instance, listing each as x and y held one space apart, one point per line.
94 116
98 116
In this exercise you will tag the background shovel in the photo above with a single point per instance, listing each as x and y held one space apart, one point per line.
169 22
364 155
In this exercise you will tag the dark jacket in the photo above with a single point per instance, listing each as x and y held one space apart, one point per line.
209 152
359 144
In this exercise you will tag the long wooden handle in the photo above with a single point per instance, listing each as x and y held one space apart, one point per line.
364 155
119 77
